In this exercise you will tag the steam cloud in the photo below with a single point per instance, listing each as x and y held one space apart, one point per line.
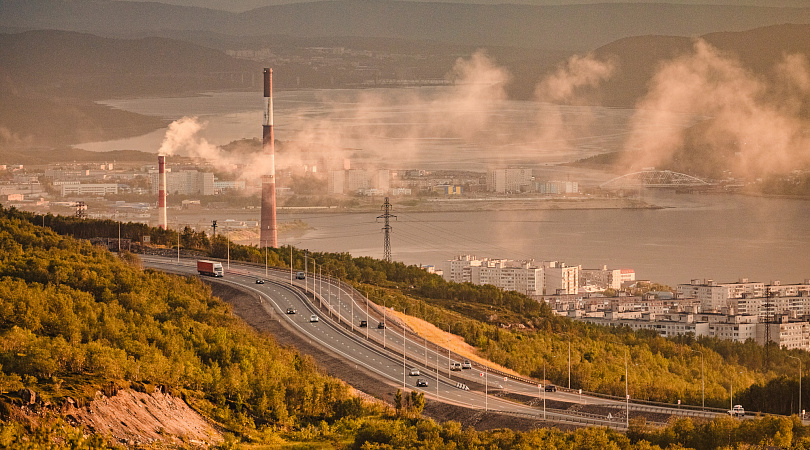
757 121
574 83
362 122
182 138
565 85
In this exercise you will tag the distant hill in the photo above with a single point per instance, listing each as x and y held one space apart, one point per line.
59 63
48 80
637 58
568 27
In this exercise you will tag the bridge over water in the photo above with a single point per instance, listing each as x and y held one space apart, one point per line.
656 179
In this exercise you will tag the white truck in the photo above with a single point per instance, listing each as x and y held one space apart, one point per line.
210 268
737 411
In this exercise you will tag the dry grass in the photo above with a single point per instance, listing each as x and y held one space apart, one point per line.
457 344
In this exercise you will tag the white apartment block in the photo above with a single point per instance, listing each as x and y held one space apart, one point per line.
789 335
560 278
185 182
737 328
352 181
557 187
513 179
605 278
89 189
519 276
725 296
715 296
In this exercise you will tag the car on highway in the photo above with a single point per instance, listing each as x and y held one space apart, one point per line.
381 325
363 324
313 318
466 364
259 281
300 276
455 366
421 383
551 388
737 411
414 372
291 310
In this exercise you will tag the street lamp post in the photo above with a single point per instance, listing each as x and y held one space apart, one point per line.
368 322
405 308
544 390
329 291
626 392
569 361
702 379
800 384
385 325
486 382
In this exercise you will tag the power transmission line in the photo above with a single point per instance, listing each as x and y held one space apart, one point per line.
387 229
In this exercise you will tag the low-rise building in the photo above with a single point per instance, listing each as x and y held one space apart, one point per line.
89 189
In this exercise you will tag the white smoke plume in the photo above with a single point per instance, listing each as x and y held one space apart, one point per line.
753 119
182 138
363 123
573 83
566 85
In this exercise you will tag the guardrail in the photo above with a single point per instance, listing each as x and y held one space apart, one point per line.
357 297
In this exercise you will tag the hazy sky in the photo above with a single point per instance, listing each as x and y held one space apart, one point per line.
244 5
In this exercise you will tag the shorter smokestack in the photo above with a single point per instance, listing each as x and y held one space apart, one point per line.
162 222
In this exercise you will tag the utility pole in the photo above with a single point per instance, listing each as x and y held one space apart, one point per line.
386 207
214 226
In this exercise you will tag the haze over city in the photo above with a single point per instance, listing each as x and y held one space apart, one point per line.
400 224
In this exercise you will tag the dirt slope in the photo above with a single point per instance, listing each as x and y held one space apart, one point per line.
136 418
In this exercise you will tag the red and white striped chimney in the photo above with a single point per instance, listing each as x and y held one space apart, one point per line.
269 231
162 223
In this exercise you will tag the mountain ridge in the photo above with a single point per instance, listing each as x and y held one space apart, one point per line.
561 27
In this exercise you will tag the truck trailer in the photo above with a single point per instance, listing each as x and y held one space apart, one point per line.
210 268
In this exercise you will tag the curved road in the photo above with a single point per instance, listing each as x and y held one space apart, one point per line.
339 312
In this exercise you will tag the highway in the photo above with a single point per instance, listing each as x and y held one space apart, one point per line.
340 309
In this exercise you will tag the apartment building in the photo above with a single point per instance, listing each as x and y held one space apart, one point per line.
560 278
519 276
716 296
185 182
513 179
352 181
605 278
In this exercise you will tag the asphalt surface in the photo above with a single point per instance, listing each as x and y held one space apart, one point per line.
340 310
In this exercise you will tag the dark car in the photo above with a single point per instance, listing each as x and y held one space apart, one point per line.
381 325
551 388
300 276
363 324
291 311
259 281
421 383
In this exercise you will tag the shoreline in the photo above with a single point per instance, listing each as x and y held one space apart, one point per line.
482 204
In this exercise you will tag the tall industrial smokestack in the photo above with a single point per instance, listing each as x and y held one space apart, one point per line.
269 231
162 223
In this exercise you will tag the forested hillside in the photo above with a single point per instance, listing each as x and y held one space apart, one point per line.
75 319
